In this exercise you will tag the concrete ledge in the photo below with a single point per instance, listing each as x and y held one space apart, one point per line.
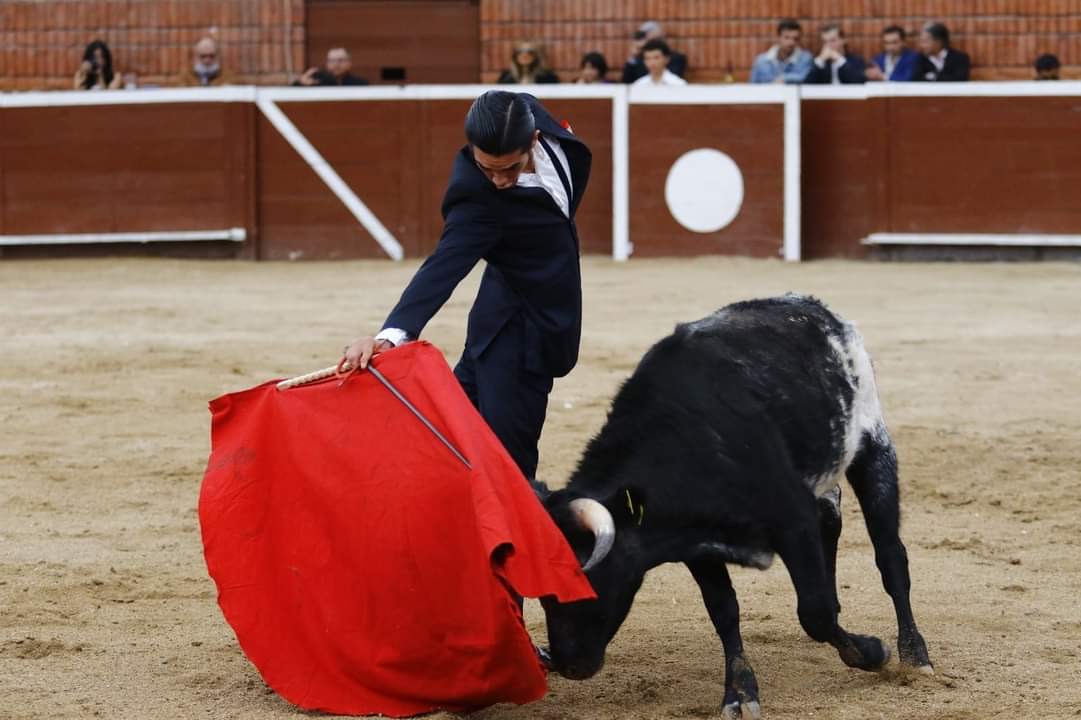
973 240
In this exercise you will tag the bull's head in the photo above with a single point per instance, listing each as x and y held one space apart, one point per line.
579 632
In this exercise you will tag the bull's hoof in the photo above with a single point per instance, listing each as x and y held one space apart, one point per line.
741 693
864 652
741 711
912 651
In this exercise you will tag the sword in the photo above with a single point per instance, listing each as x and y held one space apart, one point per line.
337 370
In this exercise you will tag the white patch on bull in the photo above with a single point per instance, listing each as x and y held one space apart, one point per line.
709 322
865 414
750 557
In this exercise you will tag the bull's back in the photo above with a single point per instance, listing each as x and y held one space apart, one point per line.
772 374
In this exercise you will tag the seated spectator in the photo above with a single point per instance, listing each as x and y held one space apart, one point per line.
592 69
527 66
938 62
205 67
336 72
1047 67
896 62
96 70
656 55
635 67
835 65
786 61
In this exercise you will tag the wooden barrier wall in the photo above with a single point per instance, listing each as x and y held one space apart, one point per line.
1003 161
948 164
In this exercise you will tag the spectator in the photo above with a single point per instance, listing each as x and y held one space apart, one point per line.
635 67
835 65
593 69
205 67
527 66
656 55
896 62
336 72
1047 67
938 62
96 70
786 61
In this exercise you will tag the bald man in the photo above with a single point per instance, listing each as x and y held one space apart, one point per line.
205 70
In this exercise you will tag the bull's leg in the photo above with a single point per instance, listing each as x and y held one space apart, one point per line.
800 546
829 524
873 475
740 684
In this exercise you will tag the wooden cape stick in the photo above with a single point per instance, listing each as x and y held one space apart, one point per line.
345 367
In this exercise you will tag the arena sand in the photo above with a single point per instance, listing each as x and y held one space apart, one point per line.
106 366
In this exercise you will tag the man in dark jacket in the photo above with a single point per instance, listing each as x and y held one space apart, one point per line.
834 63
513 193
938 62
336 72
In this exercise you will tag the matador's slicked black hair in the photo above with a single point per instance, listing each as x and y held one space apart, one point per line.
500 122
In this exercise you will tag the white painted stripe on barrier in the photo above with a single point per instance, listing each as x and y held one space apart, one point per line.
621 239
1025 88
726 94
997 239
834 92
230 93
793 247
433 92
1066 88
233 234
322 168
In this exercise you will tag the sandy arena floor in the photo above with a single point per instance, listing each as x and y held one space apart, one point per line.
106 367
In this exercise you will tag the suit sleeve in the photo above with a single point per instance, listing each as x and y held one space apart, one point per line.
470 230
920 68
956 71
853 71
818 75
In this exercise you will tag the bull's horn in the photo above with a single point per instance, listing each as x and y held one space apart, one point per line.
594 517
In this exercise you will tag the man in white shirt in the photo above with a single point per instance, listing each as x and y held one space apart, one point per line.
511 200
656 54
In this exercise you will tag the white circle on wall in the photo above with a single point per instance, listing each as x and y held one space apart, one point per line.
704 190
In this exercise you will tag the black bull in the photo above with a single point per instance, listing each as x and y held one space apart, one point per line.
725 446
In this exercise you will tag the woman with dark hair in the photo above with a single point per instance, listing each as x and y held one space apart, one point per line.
592 69
527 66
96 70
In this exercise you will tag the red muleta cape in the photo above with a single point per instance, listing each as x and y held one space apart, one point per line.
362 566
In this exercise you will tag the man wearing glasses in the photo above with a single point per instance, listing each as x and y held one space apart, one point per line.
511 201
205 70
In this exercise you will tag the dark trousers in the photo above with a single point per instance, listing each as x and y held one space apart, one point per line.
512 400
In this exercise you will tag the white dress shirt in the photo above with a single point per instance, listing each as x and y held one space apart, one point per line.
544 177
669 78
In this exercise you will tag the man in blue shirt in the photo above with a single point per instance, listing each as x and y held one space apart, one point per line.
896 62
785 62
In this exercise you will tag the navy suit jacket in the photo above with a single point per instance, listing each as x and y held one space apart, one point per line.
904 68
532 252
851 72
955 69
